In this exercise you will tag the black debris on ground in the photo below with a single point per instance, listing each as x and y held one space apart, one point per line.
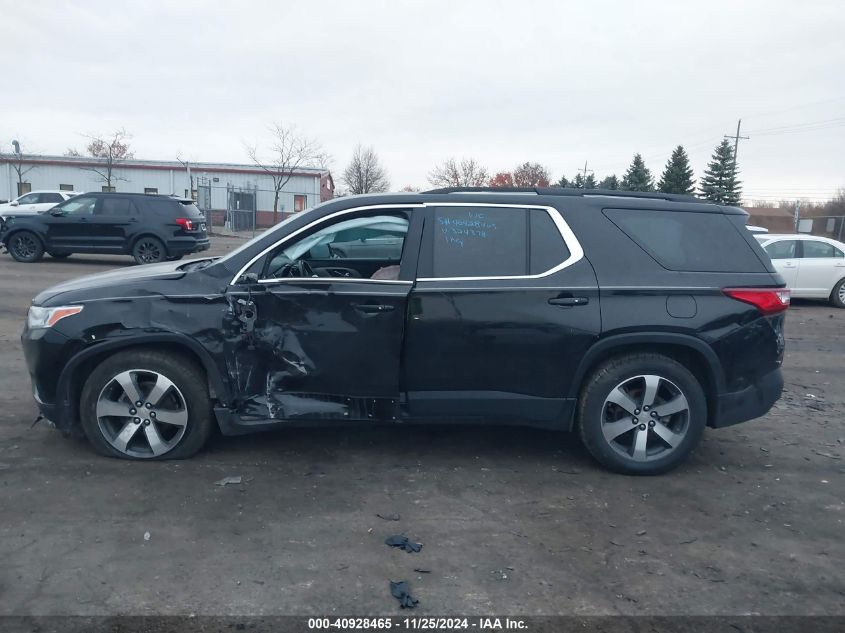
402 592
402 542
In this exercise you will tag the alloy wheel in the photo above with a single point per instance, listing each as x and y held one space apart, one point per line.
142 413
645 418
149 252
842 292
25 246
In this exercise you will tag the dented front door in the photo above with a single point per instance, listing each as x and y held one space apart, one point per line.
317 348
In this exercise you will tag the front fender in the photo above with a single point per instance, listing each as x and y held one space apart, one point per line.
69 380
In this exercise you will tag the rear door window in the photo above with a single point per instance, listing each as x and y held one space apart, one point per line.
120 207
688 241
814 249
480 242
785 249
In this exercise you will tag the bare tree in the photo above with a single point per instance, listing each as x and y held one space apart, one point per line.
467 173
20 167
364 174
72 151
112 150
531 175
287 152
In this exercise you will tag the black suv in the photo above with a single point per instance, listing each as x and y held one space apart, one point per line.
151 228
637 319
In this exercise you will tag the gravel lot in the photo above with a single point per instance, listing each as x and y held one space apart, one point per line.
513 521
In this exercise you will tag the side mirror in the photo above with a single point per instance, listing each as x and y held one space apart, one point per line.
57 212
14 203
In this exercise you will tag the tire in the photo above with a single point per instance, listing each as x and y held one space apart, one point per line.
837 297
25 246
149 250
176 424
59 255
608 430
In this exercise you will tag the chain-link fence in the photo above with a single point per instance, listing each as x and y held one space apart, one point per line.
832 226
241 213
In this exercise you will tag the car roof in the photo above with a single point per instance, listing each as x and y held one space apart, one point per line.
47 191
154 196
798 236
523 196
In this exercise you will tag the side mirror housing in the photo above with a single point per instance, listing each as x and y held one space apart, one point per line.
14 203
57 212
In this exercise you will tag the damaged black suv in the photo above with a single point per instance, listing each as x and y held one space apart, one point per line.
635 319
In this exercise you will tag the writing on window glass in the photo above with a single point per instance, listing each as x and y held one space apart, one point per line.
471 226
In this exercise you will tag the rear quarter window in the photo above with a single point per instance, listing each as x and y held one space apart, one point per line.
687 241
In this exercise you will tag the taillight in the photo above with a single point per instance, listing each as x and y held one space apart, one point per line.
185 223
766 300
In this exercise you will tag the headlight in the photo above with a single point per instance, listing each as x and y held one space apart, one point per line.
48 317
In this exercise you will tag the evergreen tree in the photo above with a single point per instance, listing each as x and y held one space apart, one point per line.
678 175
609 182
590 183
563 182
577 182
720 182
638 177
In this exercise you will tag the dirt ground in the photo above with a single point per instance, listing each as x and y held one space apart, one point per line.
512 521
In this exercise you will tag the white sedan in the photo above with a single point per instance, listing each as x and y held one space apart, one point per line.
812 266
34 202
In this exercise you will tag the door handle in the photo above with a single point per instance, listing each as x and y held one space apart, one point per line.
373 308
788 265
569 301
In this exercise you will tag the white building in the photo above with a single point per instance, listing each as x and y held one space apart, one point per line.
216 186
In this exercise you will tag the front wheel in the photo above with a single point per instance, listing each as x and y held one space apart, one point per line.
149 250
25 246
837 297
146 404
642 414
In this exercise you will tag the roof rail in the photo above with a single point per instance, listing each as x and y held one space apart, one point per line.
559 191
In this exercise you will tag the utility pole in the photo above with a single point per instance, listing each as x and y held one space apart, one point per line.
736 137
585 170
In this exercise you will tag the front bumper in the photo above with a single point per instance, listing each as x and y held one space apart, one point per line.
749 403
47 352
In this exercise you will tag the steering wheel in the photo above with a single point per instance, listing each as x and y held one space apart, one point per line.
300 268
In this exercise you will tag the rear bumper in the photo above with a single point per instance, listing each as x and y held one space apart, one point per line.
749 403
186 246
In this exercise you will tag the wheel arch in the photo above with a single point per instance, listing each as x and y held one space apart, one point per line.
692 353
147 233
11 232
72 378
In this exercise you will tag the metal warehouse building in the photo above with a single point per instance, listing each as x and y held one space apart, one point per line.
235 194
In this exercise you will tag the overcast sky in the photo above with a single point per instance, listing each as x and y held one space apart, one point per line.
503 82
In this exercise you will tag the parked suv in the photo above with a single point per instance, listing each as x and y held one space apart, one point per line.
634 319
151 228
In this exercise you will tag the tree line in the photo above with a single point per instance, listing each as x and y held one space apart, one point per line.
719 183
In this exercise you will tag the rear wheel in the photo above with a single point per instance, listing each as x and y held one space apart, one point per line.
837 297
642 414
146 404
149 250
25 246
